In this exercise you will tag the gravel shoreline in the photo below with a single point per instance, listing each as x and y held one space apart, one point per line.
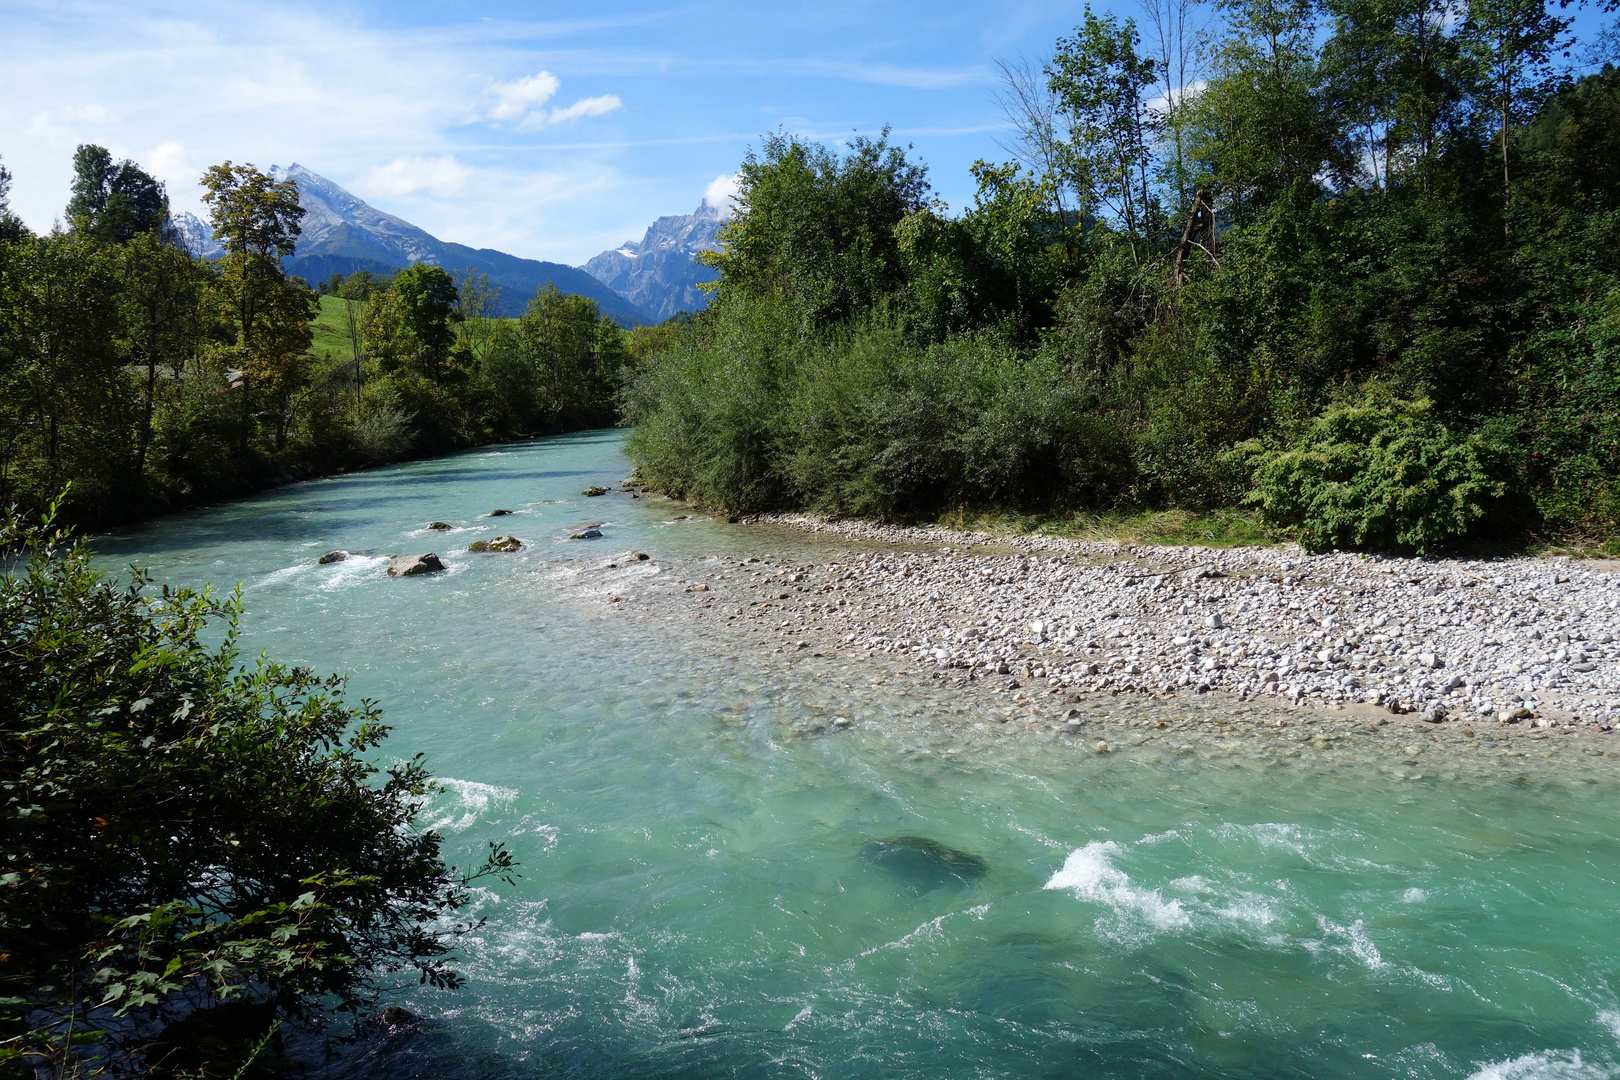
1527 642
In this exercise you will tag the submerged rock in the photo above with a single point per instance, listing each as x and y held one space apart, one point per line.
332 557
412 565
440 526
588 534
499 513
500 543
923 865
593 491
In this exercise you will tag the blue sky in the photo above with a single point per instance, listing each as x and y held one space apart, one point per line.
548 130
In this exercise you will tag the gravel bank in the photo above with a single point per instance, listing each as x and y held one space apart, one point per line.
1521 641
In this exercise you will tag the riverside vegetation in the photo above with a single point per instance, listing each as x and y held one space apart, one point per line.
148 379
1361 282
195 850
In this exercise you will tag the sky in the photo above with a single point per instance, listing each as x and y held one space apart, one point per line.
548 130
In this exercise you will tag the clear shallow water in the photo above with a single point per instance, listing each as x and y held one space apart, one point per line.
717 882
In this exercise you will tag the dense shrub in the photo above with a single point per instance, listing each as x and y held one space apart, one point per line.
1381 472
183 831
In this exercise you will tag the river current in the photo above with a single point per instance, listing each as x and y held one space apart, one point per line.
719 880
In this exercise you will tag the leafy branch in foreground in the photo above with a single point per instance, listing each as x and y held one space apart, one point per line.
184 833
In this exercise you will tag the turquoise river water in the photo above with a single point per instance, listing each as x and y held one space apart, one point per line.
717 884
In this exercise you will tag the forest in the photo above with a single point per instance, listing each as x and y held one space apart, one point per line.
1347 271
140 379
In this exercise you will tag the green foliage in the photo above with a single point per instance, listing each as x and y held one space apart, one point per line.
183 827
1381 472
1099 79
149 379
818 229
428 300
114 202
747 413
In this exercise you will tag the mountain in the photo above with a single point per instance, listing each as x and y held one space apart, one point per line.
195 235
343 234
659 273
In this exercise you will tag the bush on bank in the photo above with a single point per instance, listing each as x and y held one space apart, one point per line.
187 837
1419 359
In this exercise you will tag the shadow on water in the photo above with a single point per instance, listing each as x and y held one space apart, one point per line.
922 865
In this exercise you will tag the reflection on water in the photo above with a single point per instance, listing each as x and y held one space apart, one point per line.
721 880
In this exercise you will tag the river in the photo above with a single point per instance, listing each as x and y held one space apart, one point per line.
720 881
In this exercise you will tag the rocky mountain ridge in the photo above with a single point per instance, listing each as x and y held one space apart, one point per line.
344 234
659 273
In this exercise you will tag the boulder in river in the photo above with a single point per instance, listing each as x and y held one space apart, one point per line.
332 557
499 513
593 491
588 534
500 543
922 864
439 526
412 565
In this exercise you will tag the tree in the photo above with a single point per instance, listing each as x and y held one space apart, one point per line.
1512 44
188 833
1396 73
428 297
816 228
114 202
63 386
1028 102
252 214
161 311
576 354
477 303
1176 39
1099 77
256 219
1262 129
11 227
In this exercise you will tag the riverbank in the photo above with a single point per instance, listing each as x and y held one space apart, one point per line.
1512 643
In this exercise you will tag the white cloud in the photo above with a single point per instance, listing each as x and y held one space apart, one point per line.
518 97
721 194
591 106
521 101
444 177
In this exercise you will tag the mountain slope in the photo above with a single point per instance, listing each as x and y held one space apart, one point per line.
344 234
659 274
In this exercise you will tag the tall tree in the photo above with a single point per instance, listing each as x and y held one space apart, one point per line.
1397 76
818 228
1100 78
1176 30
477 302
160 296
1512 43
429 296
256 218
114 201
1028 102
1263 128
11 226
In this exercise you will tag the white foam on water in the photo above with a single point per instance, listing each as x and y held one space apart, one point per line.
286 573
352 571
1610 1018
462 803
1414 896
1089 874
1357 943
928 931
1545 1065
